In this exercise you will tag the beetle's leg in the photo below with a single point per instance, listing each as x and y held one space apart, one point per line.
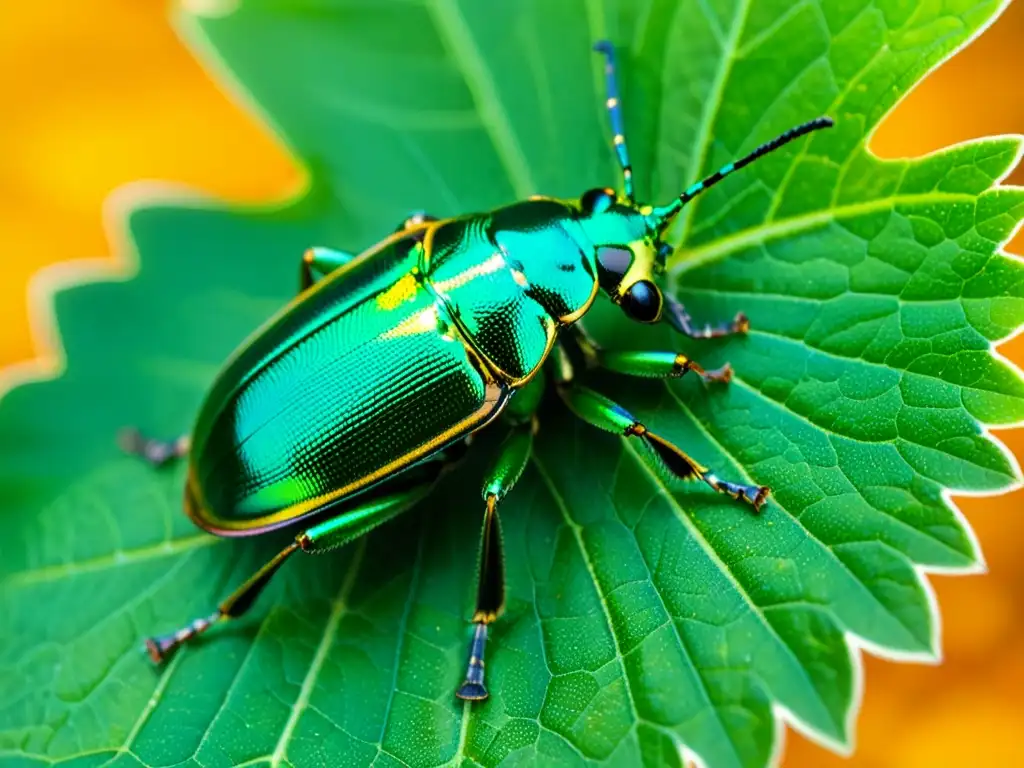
328 535
161 646
414 220
603 413
675 314
320 262
490 596
653 364
658 365
156 452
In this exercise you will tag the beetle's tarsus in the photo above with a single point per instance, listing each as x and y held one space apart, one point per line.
156 452
738 326
675 314
473 688
472 692
160 647
754 495
155 650
721 375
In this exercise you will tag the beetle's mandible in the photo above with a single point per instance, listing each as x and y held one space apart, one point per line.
346 406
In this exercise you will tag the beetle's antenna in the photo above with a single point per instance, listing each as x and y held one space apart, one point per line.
615 112
661 217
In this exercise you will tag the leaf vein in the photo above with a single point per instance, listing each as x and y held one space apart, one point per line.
326 641
796 518
712 553
456 33
702 142
402 630
113 560
725 246
869 363
577 532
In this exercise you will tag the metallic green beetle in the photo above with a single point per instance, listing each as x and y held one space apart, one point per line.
345 407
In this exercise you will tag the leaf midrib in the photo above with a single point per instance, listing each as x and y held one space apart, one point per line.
683 262
859 359
738 377
620 656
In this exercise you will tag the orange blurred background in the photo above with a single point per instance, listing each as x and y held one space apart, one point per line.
136 105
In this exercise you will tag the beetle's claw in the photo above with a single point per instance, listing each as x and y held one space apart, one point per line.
760 497
721 375
155 649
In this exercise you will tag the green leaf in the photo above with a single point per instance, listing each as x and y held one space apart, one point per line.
644 616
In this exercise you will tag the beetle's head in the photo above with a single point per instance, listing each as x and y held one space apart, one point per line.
629 248
629 252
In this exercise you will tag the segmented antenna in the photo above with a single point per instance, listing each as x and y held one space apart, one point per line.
663 216
615 112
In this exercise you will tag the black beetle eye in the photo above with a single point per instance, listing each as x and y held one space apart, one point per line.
612 265
643 301
597 201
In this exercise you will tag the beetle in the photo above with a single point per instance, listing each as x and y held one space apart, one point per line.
347 405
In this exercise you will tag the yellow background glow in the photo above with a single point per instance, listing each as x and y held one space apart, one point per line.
102 93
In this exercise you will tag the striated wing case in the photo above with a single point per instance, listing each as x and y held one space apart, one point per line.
358 378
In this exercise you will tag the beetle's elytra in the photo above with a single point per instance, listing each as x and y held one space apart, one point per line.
345 407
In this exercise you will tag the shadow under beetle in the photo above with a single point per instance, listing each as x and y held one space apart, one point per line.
349 403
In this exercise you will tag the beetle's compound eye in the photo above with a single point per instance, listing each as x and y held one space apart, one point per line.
612 264
642 301
597 200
